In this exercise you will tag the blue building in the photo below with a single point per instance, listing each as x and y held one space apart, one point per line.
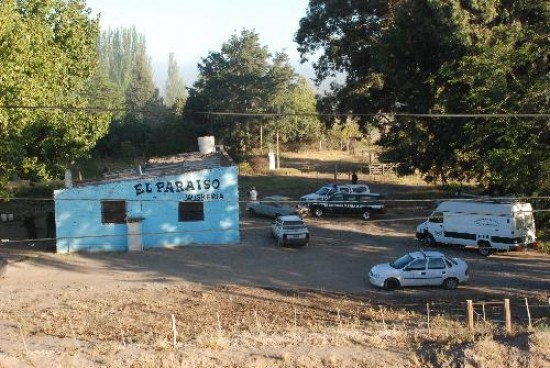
171 201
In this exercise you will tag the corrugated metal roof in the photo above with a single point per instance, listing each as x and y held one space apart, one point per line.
165 166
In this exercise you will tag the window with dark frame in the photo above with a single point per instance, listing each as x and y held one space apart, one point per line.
191 211
436 264
113 212
436 217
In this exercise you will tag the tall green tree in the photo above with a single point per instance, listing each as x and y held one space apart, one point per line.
48 52
245 78
176 95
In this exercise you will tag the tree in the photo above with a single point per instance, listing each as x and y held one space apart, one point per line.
304 127
47 56
244 78
443 57
175 88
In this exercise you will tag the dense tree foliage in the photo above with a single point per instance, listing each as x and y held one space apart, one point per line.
48 53
125 82
176 95
244 78
428 56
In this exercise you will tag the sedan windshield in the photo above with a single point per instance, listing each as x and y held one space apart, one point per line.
323 191
401 262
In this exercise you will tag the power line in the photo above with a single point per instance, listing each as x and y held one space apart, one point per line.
282 114
290 201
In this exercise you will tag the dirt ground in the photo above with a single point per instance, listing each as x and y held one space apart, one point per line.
253 304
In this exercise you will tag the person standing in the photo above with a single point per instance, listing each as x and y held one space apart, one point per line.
354 178
253 194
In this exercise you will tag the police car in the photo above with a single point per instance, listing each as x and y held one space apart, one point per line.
347 203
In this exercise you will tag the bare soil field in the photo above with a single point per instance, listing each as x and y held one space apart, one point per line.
259 305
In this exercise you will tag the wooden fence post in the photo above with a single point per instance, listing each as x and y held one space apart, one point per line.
508 316
428 310
470 313
528 313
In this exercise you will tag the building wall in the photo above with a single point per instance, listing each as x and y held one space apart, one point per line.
79 220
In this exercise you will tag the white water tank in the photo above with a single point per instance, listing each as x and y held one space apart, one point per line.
68 179
207 145
271 160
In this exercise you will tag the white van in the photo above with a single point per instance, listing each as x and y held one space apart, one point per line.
490 225
328 190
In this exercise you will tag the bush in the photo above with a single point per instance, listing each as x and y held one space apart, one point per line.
259 164
245 168
544 247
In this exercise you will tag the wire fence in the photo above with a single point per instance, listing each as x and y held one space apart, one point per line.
498 316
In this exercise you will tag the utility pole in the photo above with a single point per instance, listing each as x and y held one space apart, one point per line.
262 138
278 160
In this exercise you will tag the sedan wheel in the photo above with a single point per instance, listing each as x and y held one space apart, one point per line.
450 283
366 215
391 284
318 212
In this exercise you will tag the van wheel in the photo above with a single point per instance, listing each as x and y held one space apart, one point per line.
366 215
318 212
391 284
485 250
427 241
450 283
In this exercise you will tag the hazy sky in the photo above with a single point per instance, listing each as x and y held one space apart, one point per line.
192 28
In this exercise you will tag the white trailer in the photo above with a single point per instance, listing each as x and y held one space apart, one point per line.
489 225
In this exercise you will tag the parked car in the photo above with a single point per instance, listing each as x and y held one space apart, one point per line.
419 269
273 206
347 203
327 190
290 230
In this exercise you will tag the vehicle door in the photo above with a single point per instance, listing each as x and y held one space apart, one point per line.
414 274
436 271
336 203
353 204
277 227
435 226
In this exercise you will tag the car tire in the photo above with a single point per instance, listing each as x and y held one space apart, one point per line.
427 241
391 284
450 283
366 215
485 250
251 212
318 212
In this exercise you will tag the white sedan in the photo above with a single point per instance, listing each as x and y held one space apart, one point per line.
420 269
